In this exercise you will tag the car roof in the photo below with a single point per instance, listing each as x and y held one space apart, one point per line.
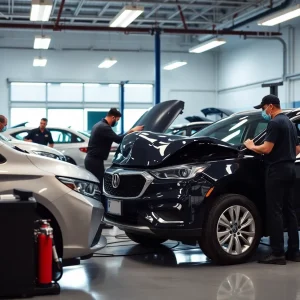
48 127
257 112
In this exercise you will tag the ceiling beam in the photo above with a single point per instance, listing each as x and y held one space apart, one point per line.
138 30
198 4
56 25
53 8
78 8
108 19
102 11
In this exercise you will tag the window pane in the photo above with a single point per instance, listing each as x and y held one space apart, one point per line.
131 116
142 93
26 91
61 136
66 118
71 92
101 93
30 115
261 126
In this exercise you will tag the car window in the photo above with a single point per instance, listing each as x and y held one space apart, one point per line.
261 126
20 135
196 129
233 130
297 124
179 132
64 137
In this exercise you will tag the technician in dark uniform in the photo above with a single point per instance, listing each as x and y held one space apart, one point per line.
280 149
40 135
102 137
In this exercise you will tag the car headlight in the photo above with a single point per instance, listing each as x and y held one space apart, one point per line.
179 172
50 155
86 188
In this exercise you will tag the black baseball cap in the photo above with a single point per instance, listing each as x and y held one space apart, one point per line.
269 99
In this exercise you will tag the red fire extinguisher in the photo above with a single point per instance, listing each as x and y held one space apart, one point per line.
46 250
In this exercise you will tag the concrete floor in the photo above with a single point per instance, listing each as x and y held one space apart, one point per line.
181 273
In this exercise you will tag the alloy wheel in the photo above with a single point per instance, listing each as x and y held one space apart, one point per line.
236 230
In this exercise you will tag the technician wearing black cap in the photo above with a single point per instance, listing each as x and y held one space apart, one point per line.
280 148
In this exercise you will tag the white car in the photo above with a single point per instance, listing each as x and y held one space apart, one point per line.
35 148
71 143
67 195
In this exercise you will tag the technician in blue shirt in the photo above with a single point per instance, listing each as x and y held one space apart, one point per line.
40 135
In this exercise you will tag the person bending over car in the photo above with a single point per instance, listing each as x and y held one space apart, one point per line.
280 148
102 137
40 135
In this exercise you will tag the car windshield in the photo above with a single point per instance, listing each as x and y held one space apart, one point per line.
235 129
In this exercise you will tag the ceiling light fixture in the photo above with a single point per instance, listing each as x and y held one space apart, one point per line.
41 10
174 65
41 42
207 45
107 63
39 62
281 16
126 16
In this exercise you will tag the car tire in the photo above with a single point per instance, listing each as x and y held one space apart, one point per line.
232 230
145 240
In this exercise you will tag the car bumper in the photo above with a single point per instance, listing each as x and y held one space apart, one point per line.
80 220
169 209
169 233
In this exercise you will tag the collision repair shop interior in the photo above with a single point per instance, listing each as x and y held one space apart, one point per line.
181 211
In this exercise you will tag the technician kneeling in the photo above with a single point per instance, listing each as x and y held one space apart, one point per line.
280 148
100 142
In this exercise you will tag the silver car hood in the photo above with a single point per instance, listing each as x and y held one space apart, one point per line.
61 168
34 147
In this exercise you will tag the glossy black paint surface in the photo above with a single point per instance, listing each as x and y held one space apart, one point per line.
148 149
230 169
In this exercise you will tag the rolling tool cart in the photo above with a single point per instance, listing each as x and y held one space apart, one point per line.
26 252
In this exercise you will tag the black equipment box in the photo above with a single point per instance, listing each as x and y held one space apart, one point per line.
17 257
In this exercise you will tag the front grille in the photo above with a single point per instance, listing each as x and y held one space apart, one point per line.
129 186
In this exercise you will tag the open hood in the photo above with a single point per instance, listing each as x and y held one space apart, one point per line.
216 111
148 149
159 117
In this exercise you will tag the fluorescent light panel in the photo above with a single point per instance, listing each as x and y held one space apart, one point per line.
174 65
281 16
107 63
126 16
207 46
41 10
41 42
39 62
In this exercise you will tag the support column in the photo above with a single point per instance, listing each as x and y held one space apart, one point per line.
157 65
122 101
